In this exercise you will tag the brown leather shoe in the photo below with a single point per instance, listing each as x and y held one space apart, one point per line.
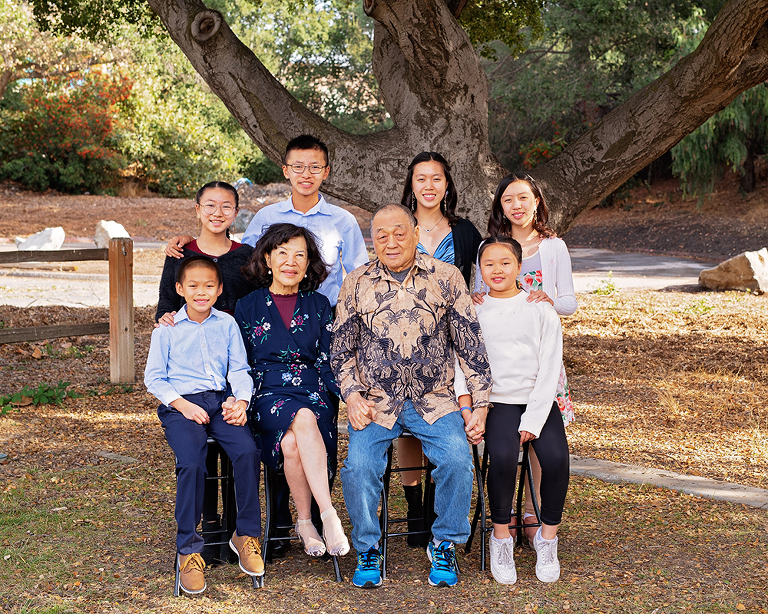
191 578
249 554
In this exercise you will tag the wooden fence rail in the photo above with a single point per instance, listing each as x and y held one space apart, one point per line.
120 325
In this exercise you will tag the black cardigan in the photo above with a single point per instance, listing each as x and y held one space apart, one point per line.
235 285
466 242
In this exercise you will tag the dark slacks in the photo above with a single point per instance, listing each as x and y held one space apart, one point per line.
188 439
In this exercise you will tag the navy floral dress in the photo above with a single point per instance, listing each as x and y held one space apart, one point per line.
290 369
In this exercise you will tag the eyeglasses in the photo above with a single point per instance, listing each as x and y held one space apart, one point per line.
314 169
211 209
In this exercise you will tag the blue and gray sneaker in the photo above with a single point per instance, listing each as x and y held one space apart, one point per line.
443 558
368 570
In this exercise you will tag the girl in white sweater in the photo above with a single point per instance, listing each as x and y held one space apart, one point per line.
519 211
525 347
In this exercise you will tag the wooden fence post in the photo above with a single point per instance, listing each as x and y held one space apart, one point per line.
121 364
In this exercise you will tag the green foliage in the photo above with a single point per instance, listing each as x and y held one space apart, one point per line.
93 19
260 169
323 57
64 136
44 394
515 23
606 286
730 139
71 351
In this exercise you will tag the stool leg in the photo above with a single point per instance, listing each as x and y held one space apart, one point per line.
177 582
483 512
384 519
480 503
269 499
534 501
525 471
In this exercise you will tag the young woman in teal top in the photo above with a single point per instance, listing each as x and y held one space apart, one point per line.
430 193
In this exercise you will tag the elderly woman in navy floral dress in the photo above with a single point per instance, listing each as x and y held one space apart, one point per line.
286 326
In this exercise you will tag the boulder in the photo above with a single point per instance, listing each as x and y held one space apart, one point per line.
747 271
48 239
109 230
242 220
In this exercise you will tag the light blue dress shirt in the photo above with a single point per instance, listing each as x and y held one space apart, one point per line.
191 357
339 237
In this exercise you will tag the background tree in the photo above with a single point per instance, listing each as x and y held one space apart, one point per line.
591 57
27 53
434 89
733 138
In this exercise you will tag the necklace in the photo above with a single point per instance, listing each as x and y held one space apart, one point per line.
435 226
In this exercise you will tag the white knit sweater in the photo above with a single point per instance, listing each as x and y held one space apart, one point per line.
525 349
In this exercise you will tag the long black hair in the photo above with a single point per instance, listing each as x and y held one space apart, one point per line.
451 198
499 224
256 270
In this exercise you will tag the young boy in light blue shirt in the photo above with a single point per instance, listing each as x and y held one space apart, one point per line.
188 367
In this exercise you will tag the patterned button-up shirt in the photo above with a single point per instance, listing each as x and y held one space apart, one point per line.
394 342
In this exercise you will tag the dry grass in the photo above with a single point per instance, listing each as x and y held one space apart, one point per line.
663 379
673 381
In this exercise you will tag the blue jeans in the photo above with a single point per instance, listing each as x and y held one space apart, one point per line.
444 443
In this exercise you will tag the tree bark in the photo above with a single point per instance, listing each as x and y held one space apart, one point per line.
436 93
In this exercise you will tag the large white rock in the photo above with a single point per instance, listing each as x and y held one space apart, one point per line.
48 239
109 230
747 271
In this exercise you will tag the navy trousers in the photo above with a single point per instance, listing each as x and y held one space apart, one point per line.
189 441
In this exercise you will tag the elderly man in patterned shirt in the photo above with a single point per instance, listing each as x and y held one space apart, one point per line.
399 320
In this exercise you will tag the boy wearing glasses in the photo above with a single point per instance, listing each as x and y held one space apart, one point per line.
306 166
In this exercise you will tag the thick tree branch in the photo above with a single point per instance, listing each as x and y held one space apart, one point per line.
268 113
732 57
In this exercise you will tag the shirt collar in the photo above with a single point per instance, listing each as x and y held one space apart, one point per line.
377 269
322 207
182 314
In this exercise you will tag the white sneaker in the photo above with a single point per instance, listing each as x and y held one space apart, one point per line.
503 560
547 565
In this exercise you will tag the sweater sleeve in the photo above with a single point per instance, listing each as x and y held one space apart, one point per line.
565 302
550 360
168 300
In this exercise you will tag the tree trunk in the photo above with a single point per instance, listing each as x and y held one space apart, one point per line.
436 93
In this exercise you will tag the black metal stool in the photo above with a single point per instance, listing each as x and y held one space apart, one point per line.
271 529
223 477
481 514
385 520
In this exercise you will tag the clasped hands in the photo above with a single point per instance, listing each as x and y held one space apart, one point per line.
232 411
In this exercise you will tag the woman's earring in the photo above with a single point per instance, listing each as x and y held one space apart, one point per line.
269 271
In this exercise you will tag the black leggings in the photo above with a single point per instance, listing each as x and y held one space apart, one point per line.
503 441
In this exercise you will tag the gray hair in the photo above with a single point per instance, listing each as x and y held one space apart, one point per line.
395 207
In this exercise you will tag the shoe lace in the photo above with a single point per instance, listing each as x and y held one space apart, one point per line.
195 561
251 546
505 554
547 552
369 560
444 558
